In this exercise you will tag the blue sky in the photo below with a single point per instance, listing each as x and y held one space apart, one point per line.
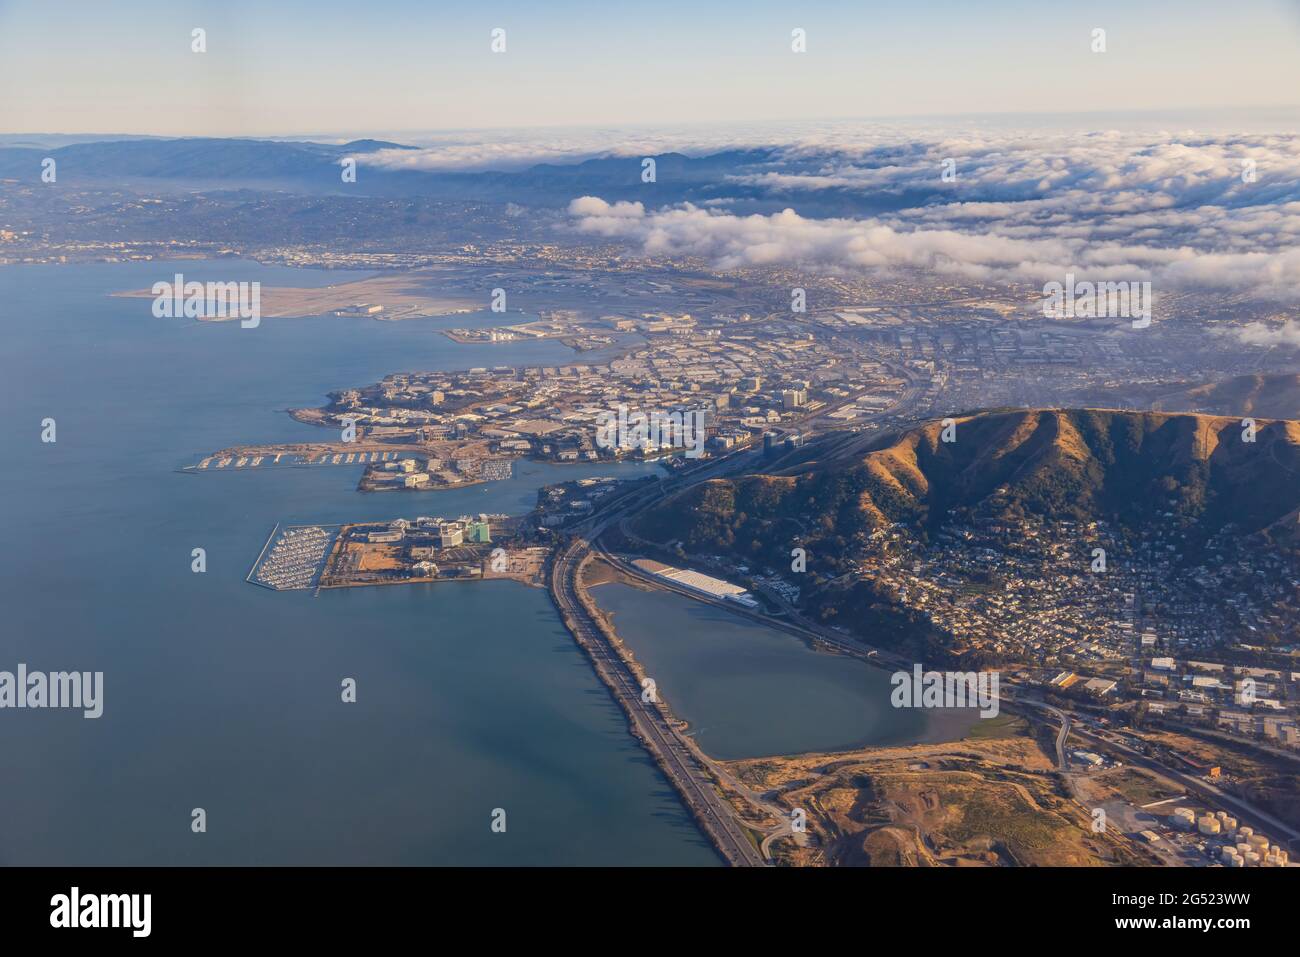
356 68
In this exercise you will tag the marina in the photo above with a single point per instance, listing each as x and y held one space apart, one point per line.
293 557
439 651
297 459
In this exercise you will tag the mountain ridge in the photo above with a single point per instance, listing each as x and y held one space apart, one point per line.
1067 464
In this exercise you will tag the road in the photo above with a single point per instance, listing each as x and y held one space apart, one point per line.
680 763
690 762
1243 810
1062 761
690 770
1281 754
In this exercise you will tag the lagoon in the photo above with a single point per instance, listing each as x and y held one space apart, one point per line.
749 691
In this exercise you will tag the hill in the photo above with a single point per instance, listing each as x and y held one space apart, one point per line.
171 165
192 160
1084 465
943 548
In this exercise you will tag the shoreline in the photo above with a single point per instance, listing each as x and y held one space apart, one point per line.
940 724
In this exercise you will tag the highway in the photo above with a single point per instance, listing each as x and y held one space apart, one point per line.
1209 793
691 772
1242 809
687 766
1246 811
678 761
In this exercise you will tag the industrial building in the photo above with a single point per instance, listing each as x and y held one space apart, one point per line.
696 581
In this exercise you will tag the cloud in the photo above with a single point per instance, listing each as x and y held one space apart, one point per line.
1187 211
732 241
512 150
472 157
594 208
1270 334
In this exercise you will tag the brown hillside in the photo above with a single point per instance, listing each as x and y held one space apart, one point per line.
1079 464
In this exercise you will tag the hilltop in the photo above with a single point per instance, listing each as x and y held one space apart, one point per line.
1081 465
985 543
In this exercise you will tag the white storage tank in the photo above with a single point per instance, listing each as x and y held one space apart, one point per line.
1208 825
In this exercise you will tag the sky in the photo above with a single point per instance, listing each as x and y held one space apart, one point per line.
353 69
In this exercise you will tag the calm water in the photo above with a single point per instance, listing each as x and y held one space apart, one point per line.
750 691
225 696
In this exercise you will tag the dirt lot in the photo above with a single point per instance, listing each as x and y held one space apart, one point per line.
1133 785
974 803
377 558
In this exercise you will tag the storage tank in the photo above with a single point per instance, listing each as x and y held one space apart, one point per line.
1183 818
1258 842
1227 854
1244 833
1252 859
1233 860
1208 825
